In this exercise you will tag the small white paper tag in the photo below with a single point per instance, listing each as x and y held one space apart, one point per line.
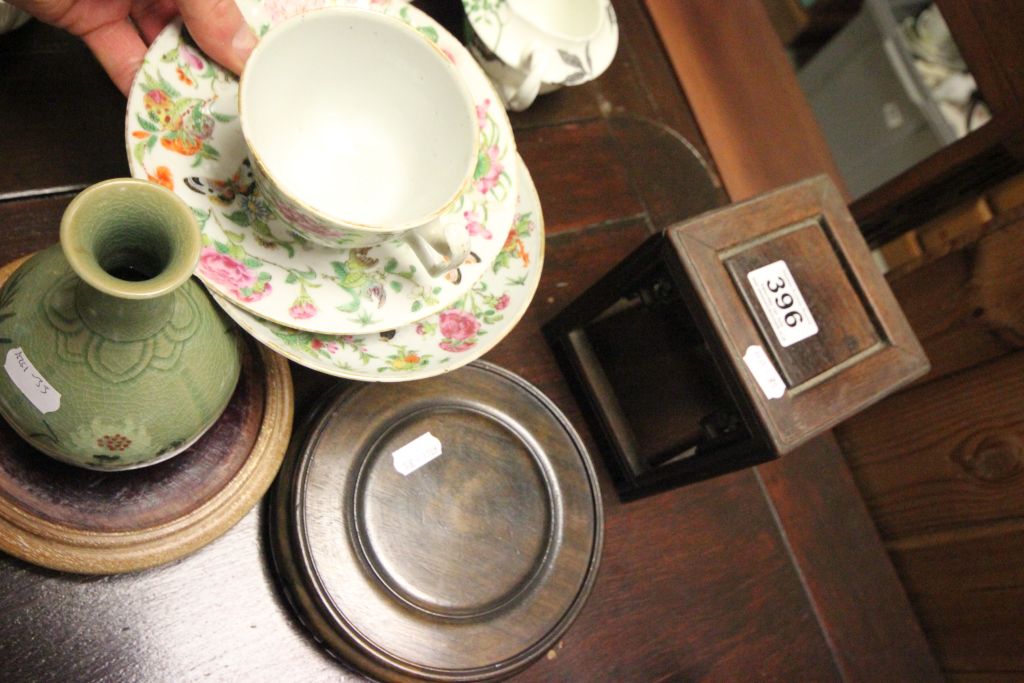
36 389
416 453
764 372
782 303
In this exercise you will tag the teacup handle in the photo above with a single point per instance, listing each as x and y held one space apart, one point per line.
441 245
537 59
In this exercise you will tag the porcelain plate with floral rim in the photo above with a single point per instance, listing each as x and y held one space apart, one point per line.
501 33
444 341
182 131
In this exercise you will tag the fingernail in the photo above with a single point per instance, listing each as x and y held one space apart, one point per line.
243 42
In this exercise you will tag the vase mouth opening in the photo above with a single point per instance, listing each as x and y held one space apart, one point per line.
130 238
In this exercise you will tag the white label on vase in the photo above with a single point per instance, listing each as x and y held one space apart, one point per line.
765 374
416 453
19 368
782 303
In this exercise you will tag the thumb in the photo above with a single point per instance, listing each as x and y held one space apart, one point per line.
219 30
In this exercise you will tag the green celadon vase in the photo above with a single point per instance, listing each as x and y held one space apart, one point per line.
114 357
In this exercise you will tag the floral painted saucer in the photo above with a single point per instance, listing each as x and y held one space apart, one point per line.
499 34
446 340
182 131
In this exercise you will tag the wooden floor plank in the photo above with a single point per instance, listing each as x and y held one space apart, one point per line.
734 70
943 456
801 486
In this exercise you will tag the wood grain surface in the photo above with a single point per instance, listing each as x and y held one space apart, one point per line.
730 579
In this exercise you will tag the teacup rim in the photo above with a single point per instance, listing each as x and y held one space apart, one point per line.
347 223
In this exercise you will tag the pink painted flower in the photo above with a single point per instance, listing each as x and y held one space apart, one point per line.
502 303
448 53
224 270
318 344
458 325
481 112
301 310
474 226
233 275
191 57
420 329
489 179
250 296
303 221
458 346
279 10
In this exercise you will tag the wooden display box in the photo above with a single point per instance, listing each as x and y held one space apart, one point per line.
733 338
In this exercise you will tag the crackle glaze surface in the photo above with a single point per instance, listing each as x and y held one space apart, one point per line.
122 402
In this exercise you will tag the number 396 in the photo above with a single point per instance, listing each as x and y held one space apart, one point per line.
784 301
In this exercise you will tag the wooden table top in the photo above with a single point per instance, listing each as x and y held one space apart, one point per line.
774 572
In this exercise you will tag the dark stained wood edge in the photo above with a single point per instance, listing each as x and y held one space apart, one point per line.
743 92
857 596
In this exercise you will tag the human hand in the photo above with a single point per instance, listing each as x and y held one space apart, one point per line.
119 31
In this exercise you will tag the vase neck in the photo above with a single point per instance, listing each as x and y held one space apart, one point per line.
129 239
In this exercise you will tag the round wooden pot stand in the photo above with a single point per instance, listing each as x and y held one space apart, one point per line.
76 520
465 566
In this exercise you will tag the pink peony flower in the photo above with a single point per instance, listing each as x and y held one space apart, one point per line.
474 226
502 303
225 270
458 325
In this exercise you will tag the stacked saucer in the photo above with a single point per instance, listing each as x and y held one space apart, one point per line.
371 313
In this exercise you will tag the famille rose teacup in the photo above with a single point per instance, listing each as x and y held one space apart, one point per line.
360 130
532 47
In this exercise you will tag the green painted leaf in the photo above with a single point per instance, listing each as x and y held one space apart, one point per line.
234 237
224 118
140 151
146 125
396 285
291 279
429 32
238 218
264 276
417 305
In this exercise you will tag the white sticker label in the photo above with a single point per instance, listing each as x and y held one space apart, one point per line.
416 453
782 303
19 368
764 372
